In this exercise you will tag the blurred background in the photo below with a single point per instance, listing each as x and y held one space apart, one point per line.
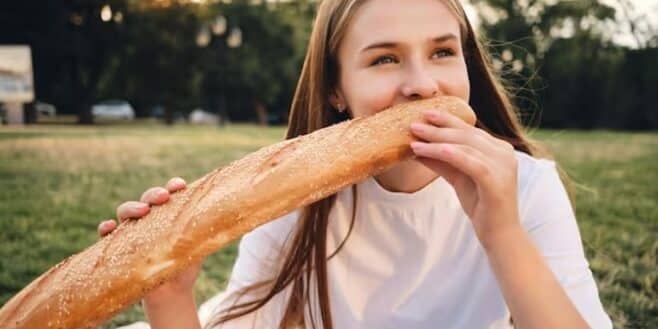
576 64
100 100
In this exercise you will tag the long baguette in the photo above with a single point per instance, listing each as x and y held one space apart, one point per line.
90 287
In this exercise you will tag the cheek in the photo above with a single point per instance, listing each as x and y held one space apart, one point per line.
368 93
458 84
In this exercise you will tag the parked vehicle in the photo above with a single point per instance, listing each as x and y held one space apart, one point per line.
199 116
113 109
45 109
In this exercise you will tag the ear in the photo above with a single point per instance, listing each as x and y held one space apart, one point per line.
336 98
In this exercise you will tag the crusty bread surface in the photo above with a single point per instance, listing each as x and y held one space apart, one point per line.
88 288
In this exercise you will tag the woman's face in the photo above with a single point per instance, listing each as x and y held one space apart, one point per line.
398 51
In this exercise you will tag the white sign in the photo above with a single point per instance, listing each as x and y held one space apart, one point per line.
16 82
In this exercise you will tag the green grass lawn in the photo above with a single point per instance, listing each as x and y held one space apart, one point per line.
59 182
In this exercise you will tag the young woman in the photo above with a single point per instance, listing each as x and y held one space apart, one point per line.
475 232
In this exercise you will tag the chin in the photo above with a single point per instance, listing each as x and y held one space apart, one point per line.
411 163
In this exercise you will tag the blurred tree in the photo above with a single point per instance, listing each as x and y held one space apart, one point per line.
162 62
520 33
639 24
157 62
264 68
71 45
561 53
145 52
637 78
577 72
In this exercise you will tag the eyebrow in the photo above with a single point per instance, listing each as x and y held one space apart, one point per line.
390 44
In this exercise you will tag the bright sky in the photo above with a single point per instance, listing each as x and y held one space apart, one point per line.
642 7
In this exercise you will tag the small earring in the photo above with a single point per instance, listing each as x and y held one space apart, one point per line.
340 107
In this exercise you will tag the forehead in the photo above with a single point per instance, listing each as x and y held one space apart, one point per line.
399 21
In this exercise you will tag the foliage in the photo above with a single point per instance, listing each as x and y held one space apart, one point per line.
150 56
558 60
556 57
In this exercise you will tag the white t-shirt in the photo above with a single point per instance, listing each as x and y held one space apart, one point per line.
414 261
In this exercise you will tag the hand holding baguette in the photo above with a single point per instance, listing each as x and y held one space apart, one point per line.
137 209
88 288
172 304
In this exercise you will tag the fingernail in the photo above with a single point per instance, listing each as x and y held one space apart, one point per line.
177 181
140 207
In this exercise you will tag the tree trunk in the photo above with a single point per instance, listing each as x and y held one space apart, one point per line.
261 113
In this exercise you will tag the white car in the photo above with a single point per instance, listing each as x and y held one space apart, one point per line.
201 117
45 109
114 109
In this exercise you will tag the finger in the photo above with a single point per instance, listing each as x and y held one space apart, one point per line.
498 141
436 134
444 119
462 157
106 227
439 151
472 136
175 184
132 209
507 146
155 195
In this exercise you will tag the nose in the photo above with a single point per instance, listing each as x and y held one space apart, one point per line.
419 84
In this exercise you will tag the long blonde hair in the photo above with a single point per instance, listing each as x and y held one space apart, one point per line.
311 110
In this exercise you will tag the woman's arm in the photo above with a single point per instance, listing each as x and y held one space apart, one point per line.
176 311
533 294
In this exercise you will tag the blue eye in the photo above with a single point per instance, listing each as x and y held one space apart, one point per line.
383 60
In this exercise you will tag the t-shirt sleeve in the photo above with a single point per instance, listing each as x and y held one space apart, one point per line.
549 218
258 259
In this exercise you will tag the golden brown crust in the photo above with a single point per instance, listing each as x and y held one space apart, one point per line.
90 287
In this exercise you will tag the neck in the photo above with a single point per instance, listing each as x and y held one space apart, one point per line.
407 176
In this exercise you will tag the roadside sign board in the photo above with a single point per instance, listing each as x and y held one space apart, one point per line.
16 81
